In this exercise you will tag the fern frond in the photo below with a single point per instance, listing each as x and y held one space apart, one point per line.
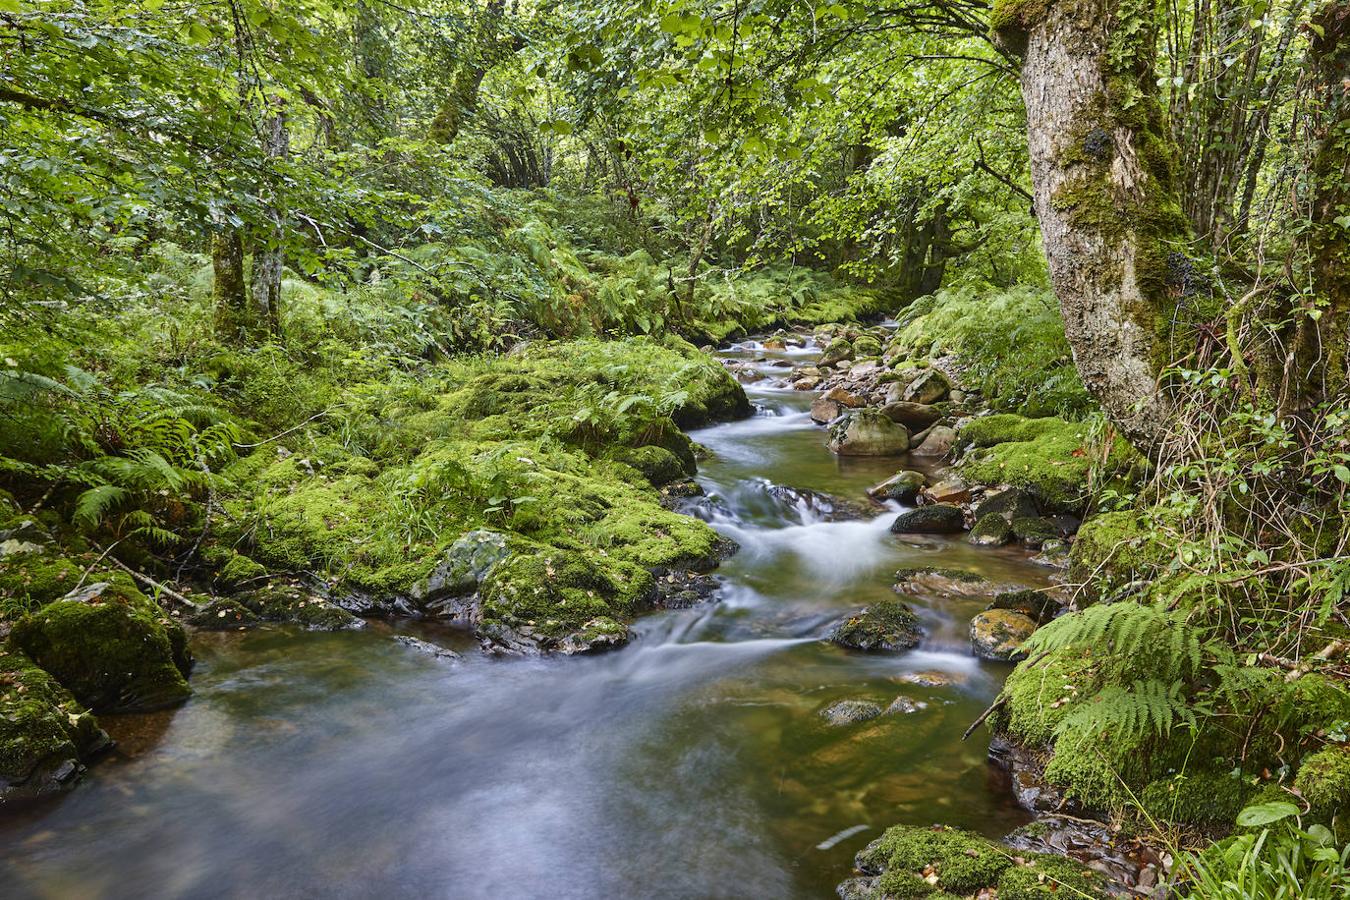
94 505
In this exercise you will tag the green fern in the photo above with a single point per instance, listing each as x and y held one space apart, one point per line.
1130 713
1143 636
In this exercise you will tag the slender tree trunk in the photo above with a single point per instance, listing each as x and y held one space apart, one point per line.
1105 196
1323 338
462 98
267 253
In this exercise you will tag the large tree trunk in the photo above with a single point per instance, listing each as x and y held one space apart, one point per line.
1105 195
1323 358
267 253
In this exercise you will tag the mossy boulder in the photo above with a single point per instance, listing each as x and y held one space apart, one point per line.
1044 876
959 861
111 647
998 634
1203 799
31 577
1324 781
936 518
1118 548
887 626
223 614
902 487
836 352
1047 457
657 464
991 531
45 734
287 601
868 432
866 346
1034 531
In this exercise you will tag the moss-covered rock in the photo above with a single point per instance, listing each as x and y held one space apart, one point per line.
1204 799
1044 876
31 578
111 647
1116 548
1324 781
1048 457
657 464
868 432
936 518
45 734
998 634
962 862
222 614
887 625
287 601
836 352
991 531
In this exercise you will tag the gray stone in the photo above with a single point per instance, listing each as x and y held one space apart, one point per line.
929 387
998 634
850 712
866 432
914 416
902 487
938 442
940 518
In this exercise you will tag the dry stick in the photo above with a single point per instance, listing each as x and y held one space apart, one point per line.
158 586
1002 697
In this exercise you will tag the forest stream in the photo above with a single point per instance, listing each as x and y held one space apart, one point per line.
692 763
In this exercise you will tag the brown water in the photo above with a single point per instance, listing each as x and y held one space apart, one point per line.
693 763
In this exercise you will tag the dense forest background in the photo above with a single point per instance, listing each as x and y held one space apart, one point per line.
295 288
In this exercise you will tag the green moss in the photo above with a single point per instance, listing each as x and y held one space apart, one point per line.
1116 548
42 727
1048 457
556 592
29 581
657 464
239 570
1204 799
903 885
1324 781
114 650
963 862
1044 876
280 601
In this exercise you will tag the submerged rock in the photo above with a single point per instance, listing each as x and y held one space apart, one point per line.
866 432
998 634
936 581
850 712
426 647
940 518
903 705
819 504
990 531
113 648
888 625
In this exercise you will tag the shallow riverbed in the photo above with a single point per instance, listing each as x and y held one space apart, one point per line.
693 763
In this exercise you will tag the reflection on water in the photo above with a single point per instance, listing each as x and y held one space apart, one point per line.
694 763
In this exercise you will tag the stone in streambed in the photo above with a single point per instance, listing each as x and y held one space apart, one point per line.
1034 531
887 625
948 490
866 432
903 705
938 442
991 531
836 352
1009 503
998 634
850 712
902 487
465 564
421 646
914 416
940 518
930 387
824 411
222 614
1036 605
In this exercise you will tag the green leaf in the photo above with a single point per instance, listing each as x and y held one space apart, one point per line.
10 6
1266 813
1342 474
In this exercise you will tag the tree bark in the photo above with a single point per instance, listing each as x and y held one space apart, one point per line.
267 253
1105 195
462 98
1324 337
228 288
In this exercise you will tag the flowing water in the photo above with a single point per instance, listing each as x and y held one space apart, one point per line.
693 763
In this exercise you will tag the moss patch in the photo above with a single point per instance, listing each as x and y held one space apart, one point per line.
44 731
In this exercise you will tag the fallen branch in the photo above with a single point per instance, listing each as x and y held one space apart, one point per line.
998 701
159 587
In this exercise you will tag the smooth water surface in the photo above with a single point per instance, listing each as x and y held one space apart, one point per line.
693 763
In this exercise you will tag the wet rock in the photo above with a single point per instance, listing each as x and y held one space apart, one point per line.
1091 843
902 487
938 442
939 582
904 706
824 411
818 504
948 490
991 531
998 634
1034 531
863 887
1009 503
465 564
1065 524
1038 606
940 518
421 646
866 346
887 625
1054 554
850 712
866 432
806 383
930 387
931 678
835 352
1027 770
113 648
914 416
223 614
46 735
286 601
844 397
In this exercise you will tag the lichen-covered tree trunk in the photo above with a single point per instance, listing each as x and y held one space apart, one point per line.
1324 338
228 288
462 98
267 253
1105 197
